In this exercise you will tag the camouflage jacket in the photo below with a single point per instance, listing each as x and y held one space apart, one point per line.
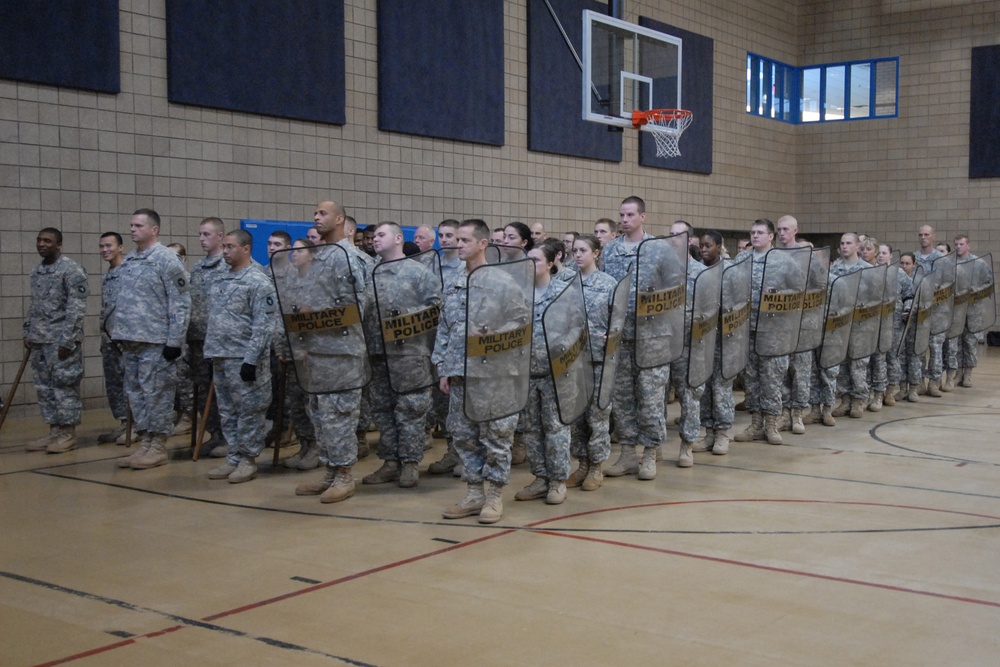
403 287
598 290
154 302
539 353
241 316
208 271
58 303
110 288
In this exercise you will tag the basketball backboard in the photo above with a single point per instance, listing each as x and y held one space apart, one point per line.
627 67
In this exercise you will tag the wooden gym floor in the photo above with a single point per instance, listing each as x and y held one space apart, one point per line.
873 543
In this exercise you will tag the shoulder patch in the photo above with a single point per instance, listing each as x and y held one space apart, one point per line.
178 276
79 286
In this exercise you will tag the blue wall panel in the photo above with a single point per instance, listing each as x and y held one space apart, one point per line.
984 113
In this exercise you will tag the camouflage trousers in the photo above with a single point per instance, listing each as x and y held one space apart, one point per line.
57 383
149 385
590 437
960 351
798 380
878 372
400 418
763 380
935 358
823 386
242 406
546 439
852 378
688 397
638 400
296 406
184 392
895 368
200 370
483 447
912 364
114 379
718 408
335 418
365 409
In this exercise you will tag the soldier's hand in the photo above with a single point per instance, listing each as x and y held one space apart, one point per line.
171 353
248 373
64 353
444 386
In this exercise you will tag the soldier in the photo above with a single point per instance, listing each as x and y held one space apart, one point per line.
605 230
851 380
53 331
564 270
924 257
538 233
238 340
961 349
795 394
279 269
184 394
363 262
151 320
497 236
569 238
408 292
112 252
878 368
904 292
483 447
911 365
638 399
423 237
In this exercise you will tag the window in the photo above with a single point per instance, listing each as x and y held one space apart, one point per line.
861 89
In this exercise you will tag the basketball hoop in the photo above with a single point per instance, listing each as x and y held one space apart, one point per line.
666 125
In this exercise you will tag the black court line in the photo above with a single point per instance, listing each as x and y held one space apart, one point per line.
873 432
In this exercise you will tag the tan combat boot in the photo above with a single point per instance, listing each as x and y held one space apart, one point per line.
342 487
112 436
754 431
771 430
389 472
245 471
784 420
828 418
595 476
721 446
64 441
577 476
446 464
493 506
911 393
319 486
685 458
889 396
815 416
409 475
647 468
538 488
875 405
949 380
471 504
934 388
844 407
557 492
857 409
922 387
627 463
798 426
705 444
183 425
223 471
156 454
141 441
42 443
966 377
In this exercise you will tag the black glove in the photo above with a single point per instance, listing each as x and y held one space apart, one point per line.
248 373
171 353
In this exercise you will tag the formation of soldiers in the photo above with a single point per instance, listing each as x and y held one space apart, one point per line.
527 348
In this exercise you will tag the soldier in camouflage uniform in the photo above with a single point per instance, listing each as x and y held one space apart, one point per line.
112 252
638 397
911 365
53 331
151 320
363 261
401 288
851 376
904 293
484 448
795 390
238 341
925 257
960 357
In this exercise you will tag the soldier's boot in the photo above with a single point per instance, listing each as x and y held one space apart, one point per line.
721 446
857 410
706 443
309 460
595 476
934 388
459 471
42 443
922 387
577 476
685 459
223 471
122 440
949 380
828 418
798 426
518 451
293 460
112 436
389 472
538 488
966 377
815 415
889 395
627 463
647 468
771 430
409 475
446 464
902 389
557 492
844 407
471 504
65 440
342 487
245 471
785 420
493 507
363 449
319 486
911 393
156 454
219 451
754 431
875 405
142 441
183 425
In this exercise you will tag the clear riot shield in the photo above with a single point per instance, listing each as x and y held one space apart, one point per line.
498 322
943 275
982 310
735 316
814 303
660 297
322 319
500 254
960 305
567 340
408 307
889 299
783 287
616 324
919 320
704 325
867 313
839 316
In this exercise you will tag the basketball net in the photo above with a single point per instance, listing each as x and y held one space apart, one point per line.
666 126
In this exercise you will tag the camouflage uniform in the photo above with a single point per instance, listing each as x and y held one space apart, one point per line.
111 354
205 274
904 291
240 324
401 287
55 319
764 375
286 282
852 375
689 397
598 290
935 358
362 261
960 351
439 413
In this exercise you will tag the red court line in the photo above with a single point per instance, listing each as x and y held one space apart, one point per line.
109 647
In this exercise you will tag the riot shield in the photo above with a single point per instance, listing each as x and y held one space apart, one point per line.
567 340
322 319
867 313
814 303
982 310
616 324
783 287
660 297
960 305
500 254
704 325
943 276
408 306
918 323
735 316
499 307
839 316
890 298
